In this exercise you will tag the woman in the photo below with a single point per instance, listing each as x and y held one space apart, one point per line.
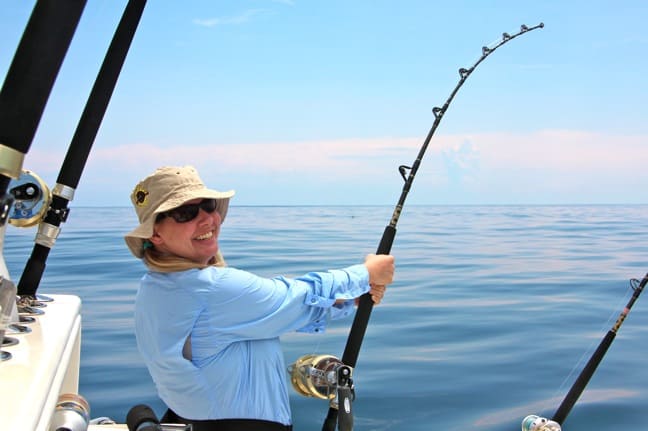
209 334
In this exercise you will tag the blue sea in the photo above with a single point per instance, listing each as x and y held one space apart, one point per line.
493 313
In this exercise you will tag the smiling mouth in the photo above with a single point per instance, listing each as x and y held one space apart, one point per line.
205 236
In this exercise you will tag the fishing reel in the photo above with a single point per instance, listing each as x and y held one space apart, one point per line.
320 376
31 199
326 377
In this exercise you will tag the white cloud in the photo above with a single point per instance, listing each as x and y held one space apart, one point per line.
241 18
550 166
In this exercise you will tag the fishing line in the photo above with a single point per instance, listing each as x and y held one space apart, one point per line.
589 350
363 311
584 377
318 344
537 423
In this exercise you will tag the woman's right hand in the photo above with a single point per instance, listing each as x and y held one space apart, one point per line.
381 269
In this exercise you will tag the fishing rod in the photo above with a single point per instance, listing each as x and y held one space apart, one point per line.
29 82
536 423
24 94
78 152
328 377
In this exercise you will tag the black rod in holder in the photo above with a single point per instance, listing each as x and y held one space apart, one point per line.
29 82
365 306
80 147
583 379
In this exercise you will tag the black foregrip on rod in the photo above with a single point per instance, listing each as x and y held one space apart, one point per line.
361 319
34 68
34 269
583 379
387 240
100 95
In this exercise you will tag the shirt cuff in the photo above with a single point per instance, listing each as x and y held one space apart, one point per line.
355 280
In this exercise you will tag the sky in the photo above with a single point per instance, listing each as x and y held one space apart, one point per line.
305 102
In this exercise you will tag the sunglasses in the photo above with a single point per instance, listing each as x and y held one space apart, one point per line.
186 213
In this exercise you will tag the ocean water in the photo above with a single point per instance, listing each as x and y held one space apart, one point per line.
493 313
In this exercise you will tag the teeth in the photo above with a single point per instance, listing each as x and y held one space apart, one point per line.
205 236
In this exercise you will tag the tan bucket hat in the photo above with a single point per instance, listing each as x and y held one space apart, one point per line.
167 188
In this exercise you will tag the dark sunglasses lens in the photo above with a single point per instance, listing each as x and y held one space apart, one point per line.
208 205
188 212
185 213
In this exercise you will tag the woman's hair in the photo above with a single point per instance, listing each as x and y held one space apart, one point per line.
161 262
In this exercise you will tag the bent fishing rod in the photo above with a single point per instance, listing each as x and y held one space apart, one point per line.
78 152
327 377
537 423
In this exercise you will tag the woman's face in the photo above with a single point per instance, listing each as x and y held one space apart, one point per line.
196 240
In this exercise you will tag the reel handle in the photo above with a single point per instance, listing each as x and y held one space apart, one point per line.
345 411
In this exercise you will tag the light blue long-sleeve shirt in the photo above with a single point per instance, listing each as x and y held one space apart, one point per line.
234 320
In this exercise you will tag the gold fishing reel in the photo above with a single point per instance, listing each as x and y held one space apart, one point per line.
319 376
31 199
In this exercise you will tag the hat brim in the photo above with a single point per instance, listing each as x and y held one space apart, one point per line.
135 238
